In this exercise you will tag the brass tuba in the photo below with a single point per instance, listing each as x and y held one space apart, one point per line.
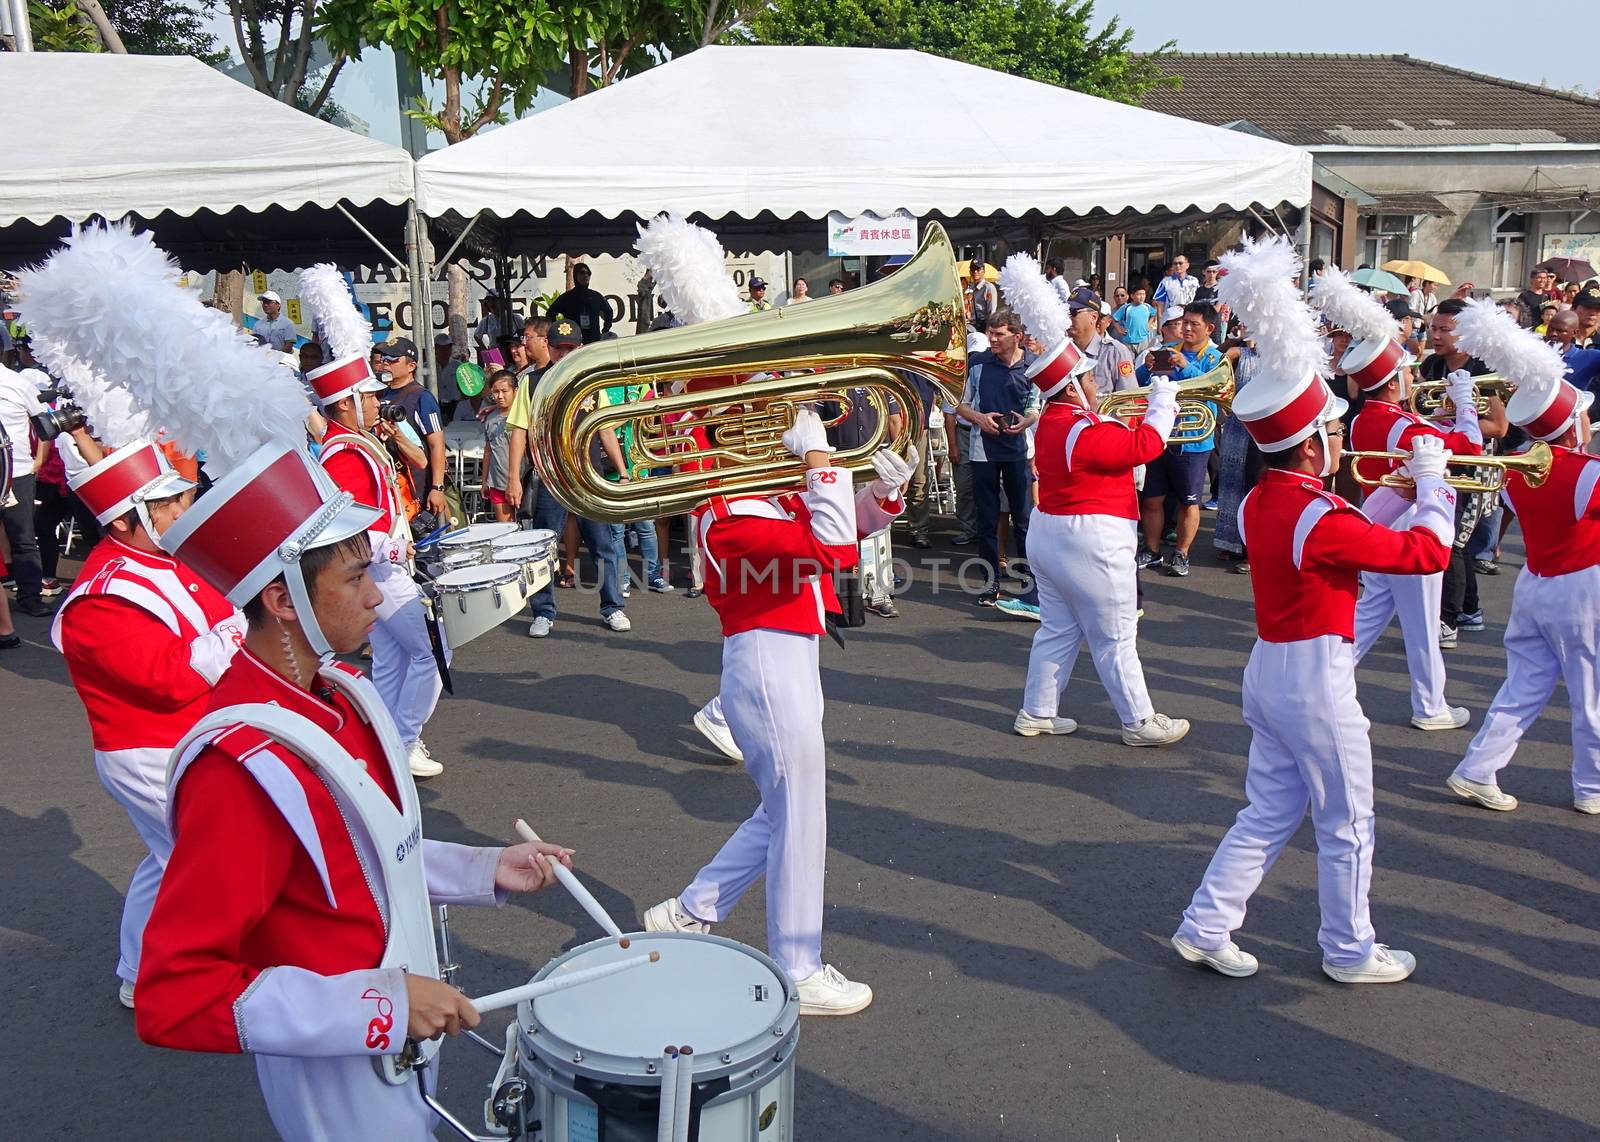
742 378
1197 419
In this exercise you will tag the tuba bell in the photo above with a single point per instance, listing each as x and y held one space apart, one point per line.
740 380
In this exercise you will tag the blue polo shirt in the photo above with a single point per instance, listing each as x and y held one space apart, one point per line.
1209 358
1137 320
1583 369
993 386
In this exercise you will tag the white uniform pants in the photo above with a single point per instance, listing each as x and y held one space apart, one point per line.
1084 565
1308 747
403 668
137 780
1416 598
771 694
341 1098
1553 633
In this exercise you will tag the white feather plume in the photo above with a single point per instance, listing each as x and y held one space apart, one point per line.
1035 300
690 270
344 331
1351 308
1489 333
113 418
111 298
1257 284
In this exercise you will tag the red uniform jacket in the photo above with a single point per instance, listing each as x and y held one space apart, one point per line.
1561 518
1086 461
1384 427
1307 548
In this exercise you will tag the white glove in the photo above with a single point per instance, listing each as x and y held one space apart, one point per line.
1459 387
1163 391
1428 459
210 653
893 472
807 434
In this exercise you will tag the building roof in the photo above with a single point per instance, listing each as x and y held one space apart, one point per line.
1315 100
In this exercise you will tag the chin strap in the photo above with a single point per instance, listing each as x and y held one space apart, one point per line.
1327 453
295 580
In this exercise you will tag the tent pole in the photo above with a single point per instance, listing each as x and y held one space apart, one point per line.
371 237
456 245
421 299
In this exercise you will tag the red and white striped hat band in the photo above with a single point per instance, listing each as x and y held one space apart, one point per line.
1545 414
1286 414
1055 367
1371 363
260 518
112 487
335 380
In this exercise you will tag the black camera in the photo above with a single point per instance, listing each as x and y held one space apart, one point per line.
52 422
393 413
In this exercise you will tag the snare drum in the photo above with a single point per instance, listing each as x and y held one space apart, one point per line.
540 537
592 1054
477 537
535 560
455 560
474 600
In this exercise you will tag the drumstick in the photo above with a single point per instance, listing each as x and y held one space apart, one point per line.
572 884
685 1100
669 1094
515 995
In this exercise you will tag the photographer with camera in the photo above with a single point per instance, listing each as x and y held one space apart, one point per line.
396 366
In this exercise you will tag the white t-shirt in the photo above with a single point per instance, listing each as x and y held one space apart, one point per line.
19 399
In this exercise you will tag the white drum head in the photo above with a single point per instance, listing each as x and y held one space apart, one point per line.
477 533
713 994
525 536
478 577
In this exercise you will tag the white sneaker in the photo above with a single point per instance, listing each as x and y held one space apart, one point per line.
619 621
1384 965
421 761
1230 959
827 992
1590 805
1030 725
719 736
1453 718
1157 729
540 627
669 916
125 994
1486 794
1447 636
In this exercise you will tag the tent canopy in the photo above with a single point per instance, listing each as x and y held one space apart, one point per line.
761 142
221 173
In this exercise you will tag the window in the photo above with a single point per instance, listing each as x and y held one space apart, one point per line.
1510 235
1385 237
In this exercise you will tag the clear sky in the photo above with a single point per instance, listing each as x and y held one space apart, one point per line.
1506 41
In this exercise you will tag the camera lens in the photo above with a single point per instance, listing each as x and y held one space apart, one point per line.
393 413
52 423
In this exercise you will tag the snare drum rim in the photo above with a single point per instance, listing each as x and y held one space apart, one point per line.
476 533
510 573
753 1061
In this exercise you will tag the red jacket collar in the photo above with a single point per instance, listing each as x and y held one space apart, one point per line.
248 679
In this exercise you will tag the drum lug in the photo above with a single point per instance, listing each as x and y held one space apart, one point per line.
726 1058
510 1104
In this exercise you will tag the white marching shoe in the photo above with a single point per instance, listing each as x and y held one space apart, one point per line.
421 761
1384 965
1230 959
1589 805
669 916
540 627
1157 729
125 994
1487 794
826 992
1453 718
1031 725
719 736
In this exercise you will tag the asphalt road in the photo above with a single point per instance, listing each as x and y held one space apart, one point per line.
1008 899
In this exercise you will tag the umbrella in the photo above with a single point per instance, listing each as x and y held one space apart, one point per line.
990 273
1380 280
1568 269
1419 270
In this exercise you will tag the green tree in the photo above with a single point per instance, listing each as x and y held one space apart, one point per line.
139 27
1053 41
282 55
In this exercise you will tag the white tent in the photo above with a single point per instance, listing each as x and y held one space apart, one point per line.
219 171
782 133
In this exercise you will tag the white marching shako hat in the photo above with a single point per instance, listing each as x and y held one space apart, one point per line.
1371 363
1056 366
1546 412
126 480
255 523
338 379
1279 416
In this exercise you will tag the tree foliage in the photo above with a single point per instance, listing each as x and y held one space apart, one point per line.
140 27
278 42
1053 41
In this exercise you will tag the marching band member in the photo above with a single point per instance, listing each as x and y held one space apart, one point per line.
293 917
1085 530
768 575
1554 628
1377 363
1309 742
403 666
145 639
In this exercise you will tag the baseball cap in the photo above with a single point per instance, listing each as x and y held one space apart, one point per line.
565 332
1171 313
758 283
394 349
1587 296
269 296
440 340
1083 298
